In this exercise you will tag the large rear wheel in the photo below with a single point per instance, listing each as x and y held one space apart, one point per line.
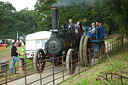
81 47
87 50
38 62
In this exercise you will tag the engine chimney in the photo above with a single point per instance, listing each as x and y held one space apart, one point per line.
54 22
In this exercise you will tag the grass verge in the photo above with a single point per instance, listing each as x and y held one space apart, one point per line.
89 77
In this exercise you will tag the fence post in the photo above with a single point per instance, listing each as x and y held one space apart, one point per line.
115 44
6 79
40 78
63 66
85 62
94 55
98 54
90 57
102 53
118 44
107 48
71 64
112 45
79 62
53 70
25 72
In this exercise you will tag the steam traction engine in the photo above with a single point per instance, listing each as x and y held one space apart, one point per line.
64 42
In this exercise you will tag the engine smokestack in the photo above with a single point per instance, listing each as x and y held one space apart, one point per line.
54 11
54 18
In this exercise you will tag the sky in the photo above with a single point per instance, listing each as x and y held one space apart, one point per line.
21 4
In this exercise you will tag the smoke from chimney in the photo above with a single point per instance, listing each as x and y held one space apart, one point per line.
65 3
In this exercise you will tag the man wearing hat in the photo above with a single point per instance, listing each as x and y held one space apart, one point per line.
91 30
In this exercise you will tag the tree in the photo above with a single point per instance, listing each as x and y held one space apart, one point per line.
25 24
112 13
6 21
42 14
12 21
119 15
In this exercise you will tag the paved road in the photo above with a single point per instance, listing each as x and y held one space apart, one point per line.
36 76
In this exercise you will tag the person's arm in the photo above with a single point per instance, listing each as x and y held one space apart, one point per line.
93 30
83 27
68 26
73 25
90 29
18 52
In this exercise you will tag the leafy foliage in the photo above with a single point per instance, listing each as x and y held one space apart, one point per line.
12 21
42 14
112 13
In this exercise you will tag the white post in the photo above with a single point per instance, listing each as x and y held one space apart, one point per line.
17 35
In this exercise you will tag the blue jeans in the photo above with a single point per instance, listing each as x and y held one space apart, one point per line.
14 59
89 34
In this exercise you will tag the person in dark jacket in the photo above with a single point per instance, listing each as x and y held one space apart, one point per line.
14 55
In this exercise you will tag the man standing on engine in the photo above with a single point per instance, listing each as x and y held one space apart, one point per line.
71 29
80 27
71 25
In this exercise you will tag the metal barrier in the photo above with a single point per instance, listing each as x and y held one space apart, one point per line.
52 74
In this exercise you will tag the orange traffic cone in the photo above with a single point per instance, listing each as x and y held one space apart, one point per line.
20 65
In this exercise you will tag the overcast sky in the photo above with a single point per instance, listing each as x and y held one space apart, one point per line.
21 4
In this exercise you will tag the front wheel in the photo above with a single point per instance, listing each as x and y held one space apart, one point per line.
38 60
71 61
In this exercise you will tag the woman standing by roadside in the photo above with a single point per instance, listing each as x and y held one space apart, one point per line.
22 51
14 55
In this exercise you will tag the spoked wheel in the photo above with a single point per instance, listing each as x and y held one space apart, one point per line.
87 51
71 61
57 62
81 47
38 62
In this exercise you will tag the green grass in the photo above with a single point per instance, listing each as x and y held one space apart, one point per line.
117 62
93 81
109 40
83 82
